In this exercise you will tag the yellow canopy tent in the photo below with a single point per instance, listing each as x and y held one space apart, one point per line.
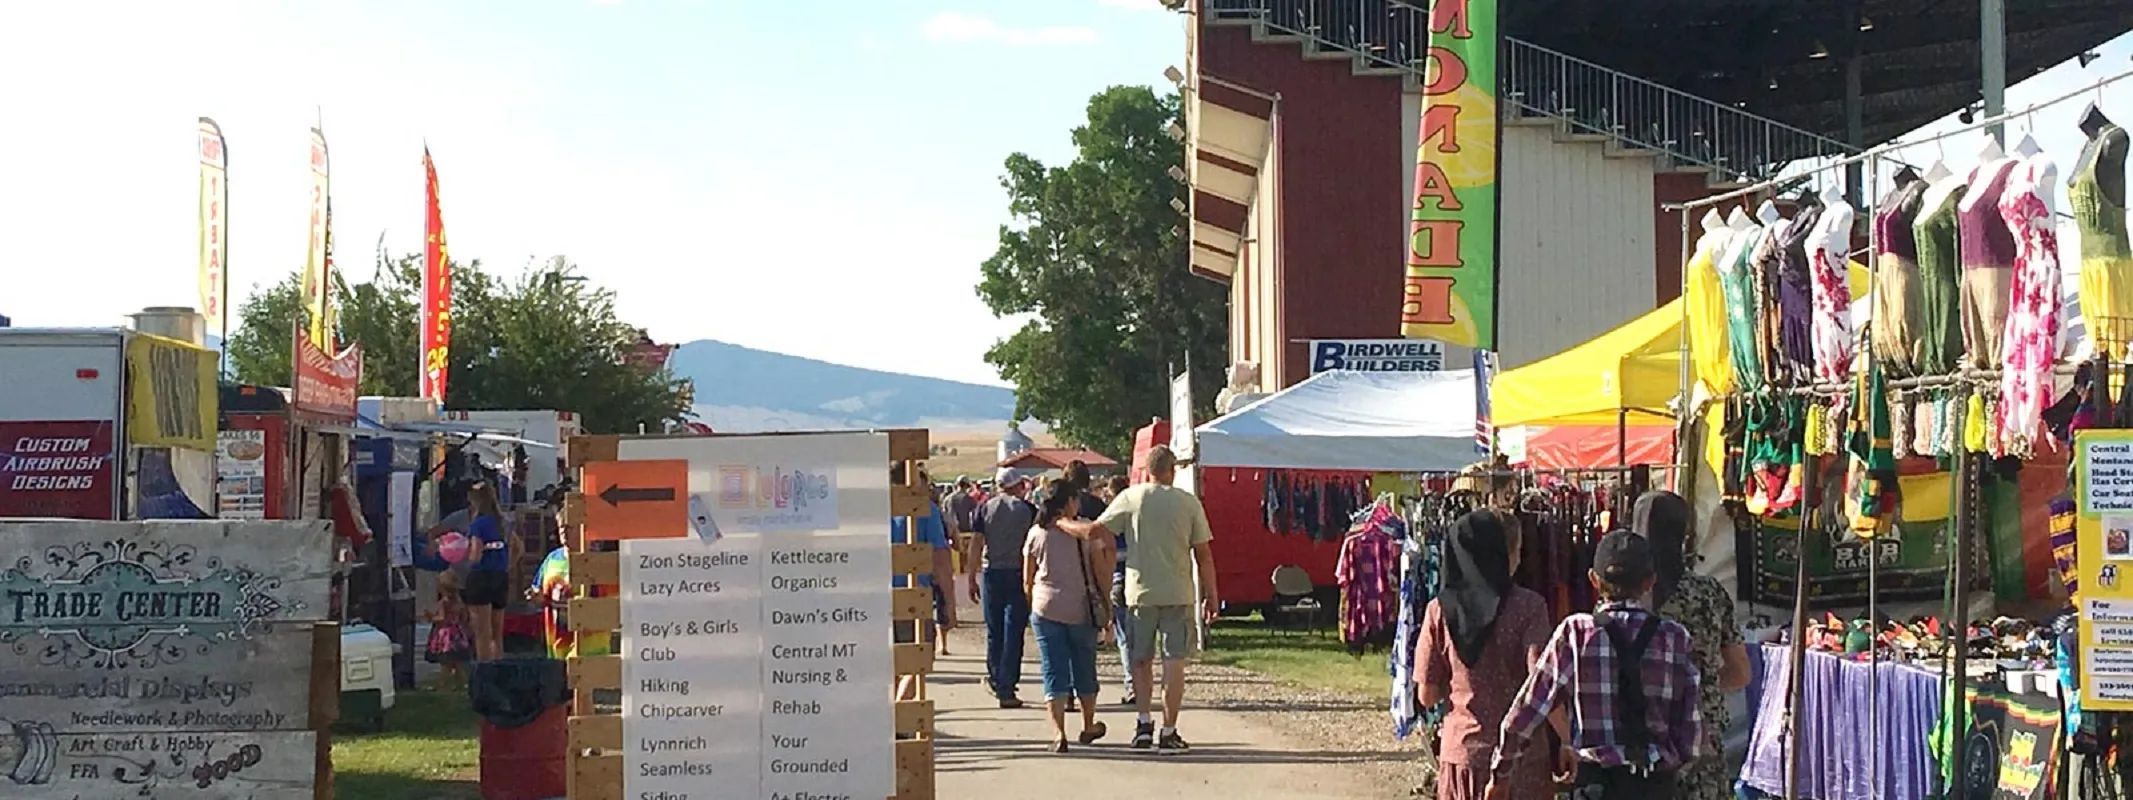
1634 368
1626 376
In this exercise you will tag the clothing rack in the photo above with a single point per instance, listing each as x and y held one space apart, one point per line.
1963 381
1963 464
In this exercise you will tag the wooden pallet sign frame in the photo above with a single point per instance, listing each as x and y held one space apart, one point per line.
595 767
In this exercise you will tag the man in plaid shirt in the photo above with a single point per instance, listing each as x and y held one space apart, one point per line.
1633 718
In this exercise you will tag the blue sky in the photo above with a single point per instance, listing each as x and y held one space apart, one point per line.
813 178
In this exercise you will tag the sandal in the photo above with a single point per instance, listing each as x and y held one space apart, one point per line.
1059 745
1090 735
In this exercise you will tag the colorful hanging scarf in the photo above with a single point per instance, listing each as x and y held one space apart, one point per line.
2062 530
1871 501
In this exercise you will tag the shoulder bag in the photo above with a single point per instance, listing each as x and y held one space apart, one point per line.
1099 603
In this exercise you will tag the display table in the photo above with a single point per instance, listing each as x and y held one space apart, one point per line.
1835 735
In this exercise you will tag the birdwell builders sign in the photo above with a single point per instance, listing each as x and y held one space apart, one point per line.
1376 355
159 659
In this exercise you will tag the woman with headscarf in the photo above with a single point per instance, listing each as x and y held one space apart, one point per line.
1478 640
1702 605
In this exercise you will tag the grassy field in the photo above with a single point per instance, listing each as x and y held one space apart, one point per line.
974 452
1318 660
429 751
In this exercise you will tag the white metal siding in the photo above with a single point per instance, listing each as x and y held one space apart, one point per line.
42 375
1577 234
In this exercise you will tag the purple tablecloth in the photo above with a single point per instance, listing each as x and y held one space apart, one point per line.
1835 735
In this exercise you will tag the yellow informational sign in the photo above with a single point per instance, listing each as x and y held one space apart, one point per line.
171 396
2103 484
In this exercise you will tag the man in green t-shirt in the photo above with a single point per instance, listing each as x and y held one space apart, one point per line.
1167 537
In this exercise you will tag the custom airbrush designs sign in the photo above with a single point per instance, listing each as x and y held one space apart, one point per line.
159 659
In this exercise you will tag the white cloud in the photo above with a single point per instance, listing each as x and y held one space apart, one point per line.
1132 5
949 26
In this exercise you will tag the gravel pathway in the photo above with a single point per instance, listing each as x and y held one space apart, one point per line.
1334 727
1321 720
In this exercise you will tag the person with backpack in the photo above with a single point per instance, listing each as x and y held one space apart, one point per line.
1628 680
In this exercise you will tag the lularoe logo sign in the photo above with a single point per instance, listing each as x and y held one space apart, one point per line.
778 498
771 488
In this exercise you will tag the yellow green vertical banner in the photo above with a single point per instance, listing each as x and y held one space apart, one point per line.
171 393
1450 288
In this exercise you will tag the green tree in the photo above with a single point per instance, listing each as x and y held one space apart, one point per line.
1091 253
544 340
379 315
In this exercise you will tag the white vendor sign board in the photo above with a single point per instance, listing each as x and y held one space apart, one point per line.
756 655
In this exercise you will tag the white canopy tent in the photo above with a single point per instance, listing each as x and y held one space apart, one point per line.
1362 421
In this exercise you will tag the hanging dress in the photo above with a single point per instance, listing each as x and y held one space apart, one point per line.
1769 250
1988 254
1828 264
1897 284
2031 342
1736 277
1939 347
2106 255
1708 347
1795 299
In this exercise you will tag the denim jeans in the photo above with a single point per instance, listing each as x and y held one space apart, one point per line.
1006 618
1067 652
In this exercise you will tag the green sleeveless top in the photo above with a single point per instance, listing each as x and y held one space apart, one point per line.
2102 223
1939 332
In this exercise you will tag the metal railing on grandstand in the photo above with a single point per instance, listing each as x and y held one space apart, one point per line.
1588 98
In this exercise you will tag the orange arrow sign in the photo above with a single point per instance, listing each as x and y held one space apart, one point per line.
636 500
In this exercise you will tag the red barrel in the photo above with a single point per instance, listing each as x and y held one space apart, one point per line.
526 762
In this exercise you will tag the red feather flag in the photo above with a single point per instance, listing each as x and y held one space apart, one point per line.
436 293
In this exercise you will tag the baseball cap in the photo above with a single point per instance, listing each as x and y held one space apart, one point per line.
1623 559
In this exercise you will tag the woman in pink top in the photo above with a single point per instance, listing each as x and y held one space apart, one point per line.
1068 582
1479 638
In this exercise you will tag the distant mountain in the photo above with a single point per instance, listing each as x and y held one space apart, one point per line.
741 389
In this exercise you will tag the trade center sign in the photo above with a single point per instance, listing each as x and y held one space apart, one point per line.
1377 355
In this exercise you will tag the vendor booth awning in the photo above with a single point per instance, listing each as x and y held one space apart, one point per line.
1627 375
1361 421
422 431
1634 368
1230 133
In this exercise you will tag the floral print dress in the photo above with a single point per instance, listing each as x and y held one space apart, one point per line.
1829 266
1702 606
2030 344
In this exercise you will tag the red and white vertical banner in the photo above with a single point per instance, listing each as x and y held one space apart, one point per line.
214 226
317 271
436 291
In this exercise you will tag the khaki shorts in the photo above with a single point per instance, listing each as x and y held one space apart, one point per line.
1174 624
